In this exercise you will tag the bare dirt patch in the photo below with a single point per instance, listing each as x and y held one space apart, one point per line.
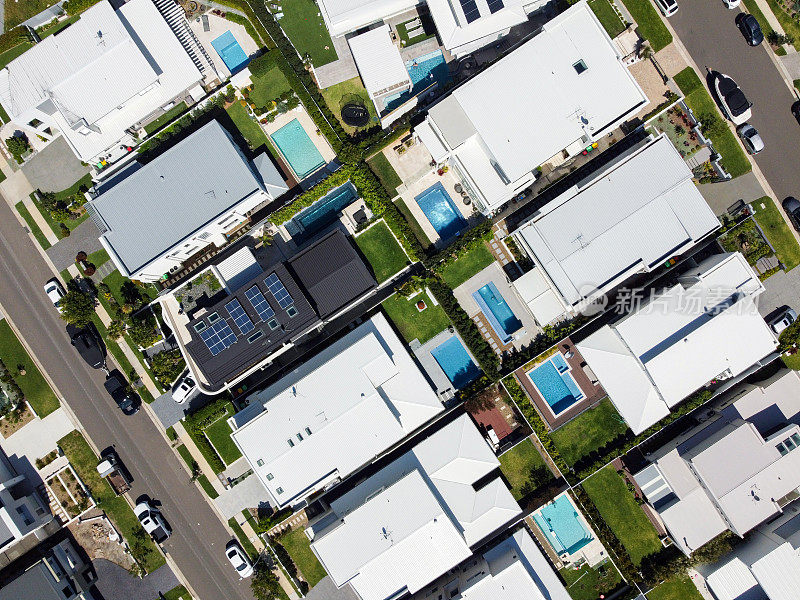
93 534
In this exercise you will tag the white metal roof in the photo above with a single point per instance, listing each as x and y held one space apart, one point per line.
455 31
779 573
539 296
379 63
734 581
586 242
344 16
358 397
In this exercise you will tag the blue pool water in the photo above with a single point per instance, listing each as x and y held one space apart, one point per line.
423 71
322 213
562 527
230 52
443 214
555 383
294 143
497 311
456 363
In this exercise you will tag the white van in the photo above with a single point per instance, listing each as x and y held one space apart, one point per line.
667 7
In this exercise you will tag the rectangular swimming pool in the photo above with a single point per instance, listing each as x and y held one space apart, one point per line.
555 383
499 314
441 211
562 526
423 71
230 52
298 149
322 213
456 362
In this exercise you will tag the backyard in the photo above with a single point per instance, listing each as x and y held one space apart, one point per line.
588 431
413 324
269 86
700 102
168 116
651 27
587 583
622 514
33 385
304 26
250 130
677 588
352 90
608 17
523 464
466 265
390 180
299 548
382 251
416 228
777 231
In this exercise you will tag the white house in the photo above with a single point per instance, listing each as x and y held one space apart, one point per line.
542 103
21 513
154 217
583 244
334 414
734 472
417 517
98 78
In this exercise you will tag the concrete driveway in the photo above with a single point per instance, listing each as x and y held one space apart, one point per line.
55 168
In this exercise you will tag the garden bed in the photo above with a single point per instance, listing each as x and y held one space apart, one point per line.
15 420
678 125
69 492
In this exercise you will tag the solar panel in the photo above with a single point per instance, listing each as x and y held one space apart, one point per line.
470 9
278 291
260 303
218 336
494 5
239 317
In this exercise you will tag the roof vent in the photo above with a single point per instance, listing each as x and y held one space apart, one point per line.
580 67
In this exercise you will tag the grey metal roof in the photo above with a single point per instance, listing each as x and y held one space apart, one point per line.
36 583
6 535
332 273
270 176
174 195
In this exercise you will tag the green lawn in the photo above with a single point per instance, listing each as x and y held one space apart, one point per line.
243 539
85 181
59 26
84 461
65 196
306 29
18 12
345 92
677 588
32 226
268 87
466 265
777 231
588 583
381 166
792 361
168 116
697 98
219 433
177 593
12 53
184 453
608 17
382 251
416 228
755 10
517 464
622 514
790 26
207 487
37 391
651 27
412 323
299 548
98 258
588 431
428 30
251 130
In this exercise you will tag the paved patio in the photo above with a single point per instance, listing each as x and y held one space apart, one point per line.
412 165
218 26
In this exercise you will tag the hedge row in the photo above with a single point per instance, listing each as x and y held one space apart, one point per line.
465 242
197 422
469 332
529 412
10 387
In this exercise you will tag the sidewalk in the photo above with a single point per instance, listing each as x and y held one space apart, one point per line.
205 468
774 23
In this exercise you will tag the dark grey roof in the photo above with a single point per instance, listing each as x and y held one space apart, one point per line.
242 354
174 195
36 583
332 273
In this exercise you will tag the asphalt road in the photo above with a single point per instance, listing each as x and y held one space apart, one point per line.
709 32
198 542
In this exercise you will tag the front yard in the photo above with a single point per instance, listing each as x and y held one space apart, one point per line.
219 434
588 431
622 514
412 323
304 26
466 265
299 548
382 251
523 465
651 27
777 231
587 583
33 385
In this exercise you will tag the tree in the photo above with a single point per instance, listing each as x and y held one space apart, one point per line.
168 365
265 584
77 308
115 329
18 145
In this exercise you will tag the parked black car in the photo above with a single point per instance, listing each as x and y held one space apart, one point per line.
792 207
122 394
796 110
88 344
750 28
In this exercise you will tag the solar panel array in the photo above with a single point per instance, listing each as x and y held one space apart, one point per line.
218 336
239 317
470 9
260 303
279 291
494 5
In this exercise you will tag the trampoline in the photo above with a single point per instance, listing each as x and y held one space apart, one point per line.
355 115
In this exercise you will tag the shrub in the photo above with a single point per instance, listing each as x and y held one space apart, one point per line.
77 308
168 365
64 230
14 37
143 333
18 145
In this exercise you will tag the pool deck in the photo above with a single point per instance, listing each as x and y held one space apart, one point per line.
305 120
218 26
593 392
444 387
494 273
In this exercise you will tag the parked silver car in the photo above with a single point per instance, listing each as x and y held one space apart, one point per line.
782 320
750 138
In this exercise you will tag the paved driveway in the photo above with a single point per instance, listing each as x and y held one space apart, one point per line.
84 238
115 583
708 31
782 289
55 168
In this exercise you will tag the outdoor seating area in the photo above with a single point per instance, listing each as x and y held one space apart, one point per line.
437 205
212 26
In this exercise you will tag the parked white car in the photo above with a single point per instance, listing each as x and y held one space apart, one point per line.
667 7
152 521
55 291
184 390
732 100
782 320
239 559
732 3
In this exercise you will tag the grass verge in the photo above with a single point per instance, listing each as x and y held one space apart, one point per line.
243 540
651 27
32 226
589 431
207 487
382 251
789 25
33 385
766 29
777 231
177 593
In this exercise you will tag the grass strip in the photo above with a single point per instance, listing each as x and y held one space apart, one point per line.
243 539
32 226
777 231
33 384
649 22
